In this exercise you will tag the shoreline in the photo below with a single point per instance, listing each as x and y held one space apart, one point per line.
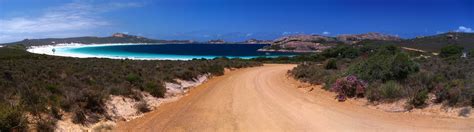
60 51
48 50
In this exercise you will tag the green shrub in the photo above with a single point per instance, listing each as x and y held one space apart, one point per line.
471 53
419 99
456 93
11 118
391 90
387 64
329 80
311 72
402 66
373 91
388 91
216 69
331 64
451 50
341 51
155 90
133 79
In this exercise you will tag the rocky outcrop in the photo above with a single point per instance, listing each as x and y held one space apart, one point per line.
119 35
315 43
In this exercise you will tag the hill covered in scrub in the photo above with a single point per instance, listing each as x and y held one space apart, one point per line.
38 90
314 43
115 38
436 42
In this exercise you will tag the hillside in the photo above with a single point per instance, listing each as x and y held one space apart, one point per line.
115 38
433 43
314 43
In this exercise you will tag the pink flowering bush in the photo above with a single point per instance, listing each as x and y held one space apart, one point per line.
349 86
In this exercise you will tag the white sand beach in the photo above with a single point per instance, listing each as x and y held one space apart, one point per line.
58 50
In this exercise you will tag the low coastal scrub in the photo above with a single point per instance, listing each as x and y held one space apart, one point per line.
44 87
387 74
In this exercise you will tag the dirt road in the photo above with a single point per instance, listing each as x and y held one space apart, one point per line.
265 99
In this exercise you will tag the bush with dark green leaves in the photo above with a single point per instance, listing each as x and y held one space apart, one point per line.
471 53
456 93
419 99
341 51
331 64
388 91
11 118
451 50
389 63
311 72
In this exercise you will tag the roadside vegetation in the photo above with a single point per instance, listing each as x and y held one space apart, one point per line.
42 88
388 73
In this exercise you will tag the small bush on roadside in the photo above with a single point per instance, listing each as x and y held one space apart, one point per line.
157 90
391 90
79 117
348 86
419 99
388 91
46 125
465 112
142 107
455 93
330 80
373 91
311 73
11 118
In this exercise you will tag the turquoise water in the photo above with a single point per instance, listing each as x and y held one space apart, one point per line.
173 51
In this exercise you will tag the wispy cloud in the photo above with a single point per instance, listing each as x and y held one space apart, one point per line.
464 29
70 17
326 33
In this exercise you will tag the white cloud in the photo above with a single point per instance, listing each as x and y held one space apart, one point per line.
248 34
464 29
68 18
326 33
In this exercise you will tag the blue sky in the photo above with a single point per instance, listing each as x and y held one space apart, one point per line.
232 20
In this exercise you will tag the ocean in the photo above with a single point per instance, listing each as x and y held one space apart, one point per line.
173 51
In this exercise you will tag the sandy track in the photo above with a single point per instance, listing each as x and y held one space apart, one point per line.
265 99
